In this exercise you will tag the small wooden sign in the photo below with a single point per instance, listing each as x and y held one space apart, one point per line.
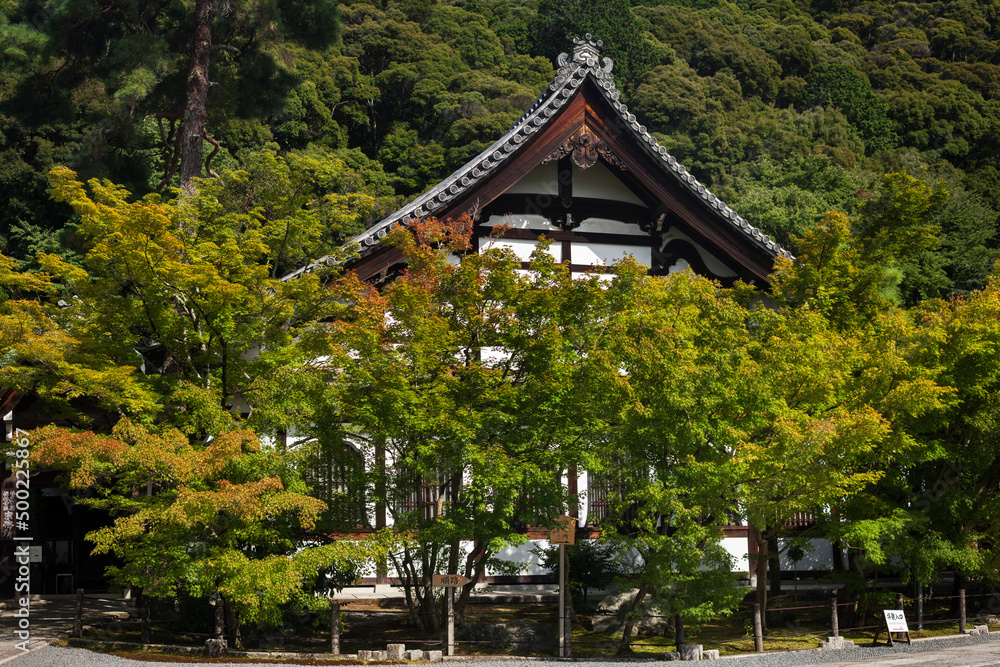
893 621
449 580
564 532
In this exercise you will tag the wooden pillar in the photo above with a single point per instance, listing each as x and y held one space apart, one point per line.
144 615
568 626
450 597
961 611
78 614
381 512
562 600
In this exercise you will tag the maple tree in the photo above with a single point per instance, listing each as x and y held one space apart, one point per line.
465 383
159 346
942 494
675 346
226 517
864 372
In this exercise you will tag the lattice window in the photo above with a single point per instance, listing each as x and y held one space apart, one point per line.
336 475
606 491
428 497
602 493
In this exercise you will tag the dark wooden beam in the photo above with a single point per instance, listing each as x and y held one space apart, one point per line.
565 176
523 203
637 240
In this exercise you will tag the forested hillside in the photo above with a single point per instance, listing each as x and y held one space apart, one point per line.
785 109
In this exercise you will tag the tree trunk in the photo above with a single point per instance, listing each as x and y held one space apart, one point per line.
233 624
624 646
774 566
761 567
475 569
196 106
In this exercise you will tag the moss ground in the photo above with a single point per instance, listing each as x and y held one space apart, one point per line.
802 627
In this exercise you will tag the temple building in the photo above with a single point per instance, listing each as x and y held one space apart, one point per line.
579 169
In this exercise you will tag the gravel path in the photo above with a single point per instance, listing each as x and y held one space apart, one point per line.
861 653
962 648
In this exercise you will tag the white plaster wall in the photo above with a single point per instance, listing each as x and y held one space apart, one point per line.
493 356
713 264
738 549
601 277
597 182
819 558
604 254
583 497
523 248
519 221
542 179
522 554
679 266
605 226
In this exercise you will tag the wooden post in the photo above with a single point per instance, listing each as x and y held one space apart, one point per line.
78 614
450 597
568 624
335 628
562 600
144 613
920 606
758 632
834 618
961 611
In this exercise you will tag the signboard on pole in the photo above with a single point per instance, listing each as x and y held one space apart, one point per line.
564 532
449 580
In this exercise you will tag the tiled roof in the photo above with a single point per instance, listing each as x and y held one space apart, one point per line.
573 71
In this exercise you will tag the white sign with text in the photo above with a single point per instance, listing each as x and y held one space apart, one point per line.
895 620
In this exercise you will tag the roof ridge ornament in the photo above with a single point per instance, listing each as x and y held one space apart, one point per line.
586 48
586 52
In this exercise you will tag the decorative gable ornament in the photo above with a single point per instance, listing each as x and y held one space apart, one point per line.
539 175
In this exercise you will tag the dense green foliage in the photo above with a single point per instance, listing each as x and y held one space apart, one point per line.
864 137
786 110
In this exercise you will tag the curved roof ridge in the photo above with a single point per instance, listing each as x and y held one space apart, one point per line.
573 71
